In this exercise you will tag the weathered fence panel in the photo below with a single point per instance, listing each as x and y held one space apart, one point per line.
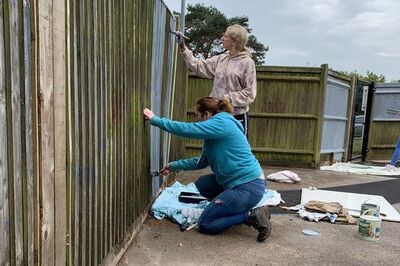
337 116
384 122
286 117
301 115
75 160
17 137
110 53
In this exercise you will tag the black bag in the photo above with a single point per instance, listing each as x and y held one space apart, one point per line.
191 197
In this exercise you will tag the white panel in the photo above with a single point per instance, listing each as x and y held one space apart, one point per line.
351 201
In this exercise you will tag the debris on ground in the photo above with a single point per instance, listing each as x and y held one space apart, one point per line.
362 169
284 177
315 211
352 202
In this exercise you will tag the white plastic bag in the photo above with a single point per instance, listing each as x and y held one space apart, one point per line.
284 177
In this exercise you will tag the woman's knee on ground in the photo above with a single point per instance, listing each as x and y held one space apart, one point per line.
205 227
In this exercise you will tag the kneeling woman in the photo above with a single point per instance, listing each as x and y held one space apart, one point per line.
237 183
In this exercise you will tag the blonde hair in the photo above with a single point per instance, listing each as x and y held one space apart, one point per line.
238 34
213 105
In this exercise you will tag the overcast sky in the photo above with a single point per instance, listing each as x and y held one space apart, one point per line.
348 35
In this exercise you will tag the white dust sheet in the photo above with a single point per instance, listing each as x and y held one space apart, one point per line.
362 169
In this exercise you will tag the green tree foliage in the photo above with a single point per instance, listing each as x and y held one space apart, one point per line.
205 26
370 76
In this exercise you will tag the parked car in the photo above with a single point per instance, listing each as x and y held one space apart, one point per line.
358 126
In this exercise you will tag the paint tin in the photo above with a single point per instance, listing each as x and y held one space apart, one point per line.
372 209
369 225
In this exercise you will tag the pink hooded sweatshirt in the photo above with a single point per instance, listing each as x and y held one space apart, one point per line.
234 77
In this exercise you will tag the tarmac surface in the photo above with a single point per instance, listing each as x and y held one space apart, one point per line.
162 243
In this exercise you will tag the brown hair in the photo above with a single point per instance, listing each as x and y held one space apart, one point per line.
213 105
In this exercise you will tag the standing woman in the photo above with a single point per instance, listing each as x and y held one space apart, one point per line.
237 183
233 72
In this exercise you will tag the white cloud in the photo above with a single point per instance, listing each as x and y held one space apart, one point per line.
289 52
390 55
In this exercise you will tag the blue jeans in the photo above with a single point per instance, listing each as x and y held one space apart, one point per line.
227 207
396 153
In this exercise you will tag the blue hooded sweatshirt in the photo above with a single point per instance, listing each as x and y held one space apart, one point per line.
225 149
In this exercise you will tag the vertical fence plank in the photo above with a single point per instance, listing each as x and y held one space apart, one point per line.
96 181
109 128
113 111
70 132
121 120
149 20
103 138
77 183
320 114
29 135
130 107
35 131
140 99
90 123
85 132
58 13
349 124
4 215
125 116
106 108
16 116
46 120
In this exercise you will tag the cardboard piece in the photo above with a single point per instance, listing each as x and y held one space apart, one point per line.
352 201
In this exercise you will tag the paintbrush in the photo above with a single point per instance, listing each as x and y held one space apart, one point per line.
176 34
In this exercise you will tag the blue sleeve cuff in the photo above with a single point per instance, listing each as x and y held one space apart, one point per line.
174 165
155 120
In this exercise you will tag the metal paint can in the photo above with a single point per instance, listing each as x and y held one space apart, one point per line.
372 209
369 226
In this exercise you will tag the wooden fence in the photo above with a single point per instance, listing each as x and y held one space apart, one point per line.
287 117
75 160
384 121
18 136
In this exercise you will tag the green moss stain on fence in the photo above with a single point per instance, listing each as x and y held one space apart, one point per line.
110 52
108 55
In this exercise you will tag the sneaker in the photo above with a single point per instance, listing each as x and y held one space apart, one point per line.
390 167
260 219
